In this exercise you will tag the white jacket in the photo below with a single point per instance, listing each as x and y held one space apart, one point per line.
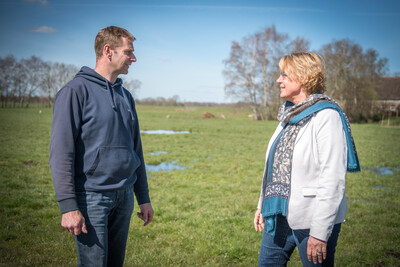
317 198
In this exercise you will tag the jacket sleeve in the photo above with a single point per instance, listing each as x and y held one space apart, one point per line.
64 131
332 160
141 187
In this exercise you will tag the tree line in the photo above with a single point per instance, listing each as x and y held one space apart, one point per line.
352 75
25 81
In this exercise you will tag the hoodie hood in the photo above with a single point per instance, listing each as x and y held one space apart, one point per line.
91 75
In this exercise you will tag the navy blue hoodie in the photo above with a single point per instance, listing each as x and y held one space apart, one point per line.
95 140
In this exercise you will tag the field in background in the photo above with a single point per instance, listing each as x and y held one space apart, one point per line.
203 213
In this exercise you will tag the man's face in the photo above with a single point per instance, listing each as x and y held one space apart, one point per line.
123 56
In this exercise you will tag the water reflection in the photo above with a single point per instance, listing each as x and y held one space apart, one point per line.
381 186
157 153
164 167
164 132
382 170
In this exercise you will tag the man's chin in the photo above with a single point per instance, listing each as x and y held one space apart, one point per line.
123 71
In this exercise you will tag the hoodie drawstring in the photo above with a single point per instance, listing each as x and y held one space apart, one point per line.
90 75
112 98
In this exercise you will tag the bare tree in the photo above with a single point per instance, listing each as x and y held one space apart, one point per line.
272 46
299 45
243 73
19 85
33 71
55 76
48 81
7 65
353 76
132 86
252 69
21 80
64 73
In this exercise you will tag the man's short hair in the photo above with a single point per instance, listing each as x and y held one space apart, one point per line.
111 36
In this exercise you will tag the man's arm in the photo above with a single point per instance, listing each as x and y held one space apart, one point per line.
64 132
141 187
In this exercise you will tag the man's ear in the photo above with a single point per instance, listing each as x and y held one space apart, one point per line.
107 51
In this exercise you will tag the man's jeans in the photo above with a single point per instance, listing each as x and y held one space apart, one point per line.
107 216
276 250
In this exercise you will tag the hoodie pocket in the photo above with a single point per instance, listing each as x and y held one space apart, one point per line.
114 162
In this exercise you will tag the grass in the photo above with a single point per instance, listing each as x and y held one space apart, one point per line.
203 214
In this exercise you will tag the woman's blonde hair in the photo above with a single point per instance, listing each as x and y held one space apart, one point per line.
307 68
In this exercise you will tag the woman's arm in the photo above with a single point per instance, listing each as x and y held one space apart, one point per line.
332 159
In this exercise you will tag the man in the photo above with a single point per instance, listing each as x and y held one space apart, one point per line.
96 156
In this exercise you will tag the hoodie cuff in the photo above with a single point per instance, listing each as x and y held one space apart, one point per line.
142 198
67 205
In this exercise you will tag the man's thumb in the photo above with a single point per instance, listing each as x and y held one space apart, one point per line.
84 230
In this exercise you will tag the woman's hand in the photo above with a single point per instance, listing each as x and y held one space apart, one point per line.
316 250
258 221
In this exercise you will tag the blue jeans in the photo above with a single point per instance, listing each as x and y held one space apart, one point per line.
107 216
276 250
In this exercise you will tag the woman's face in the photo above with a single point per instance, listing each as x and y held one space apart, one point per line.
291 90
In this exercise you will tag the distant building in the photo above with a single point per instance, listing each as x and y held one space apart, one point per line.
389 96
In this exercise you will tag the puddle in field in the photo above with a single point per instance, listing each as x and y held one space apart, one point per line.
158 153
164 132
167 166
381 186
383 170
164 167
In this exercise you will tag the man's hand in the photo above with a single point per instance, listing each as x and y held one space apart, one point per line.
146 213
74 222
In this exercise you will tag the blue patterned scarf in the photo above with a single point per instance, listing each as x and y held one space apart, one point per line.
277 175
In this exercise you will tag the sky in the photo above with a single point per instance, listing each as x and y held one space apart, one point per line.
181 45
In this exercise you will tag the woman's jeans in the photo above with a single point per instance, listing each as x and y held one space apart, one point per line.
276 250
107 217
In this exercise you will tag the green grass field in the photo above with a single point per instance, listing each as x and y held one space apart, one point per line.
204 213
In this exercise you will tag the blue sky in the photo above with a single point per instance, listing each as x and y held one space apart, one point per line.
180 44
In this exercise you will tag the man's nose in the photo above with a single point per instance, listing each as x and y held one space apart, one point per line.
133 58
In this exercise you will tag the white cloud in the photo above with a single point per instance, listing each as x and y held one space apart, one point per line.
44 29
43 2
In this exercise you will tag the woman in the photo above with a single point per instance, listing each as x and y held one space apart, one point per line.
302 201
